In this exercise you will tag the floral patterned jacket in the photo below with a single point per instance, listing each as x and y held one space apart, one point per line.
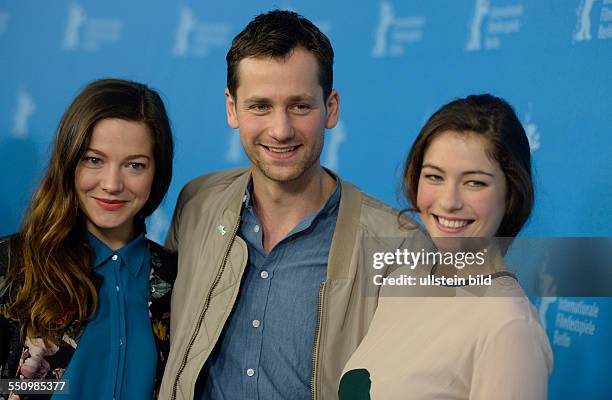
31 359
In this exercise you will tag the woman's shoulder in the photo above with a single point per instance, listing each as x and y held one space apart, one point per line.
504 300
7 292
160 249
508 316
4 254
4 243
163 261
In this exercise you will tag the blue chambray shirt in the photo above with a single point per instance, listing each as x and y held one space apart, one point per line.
265 350
116 357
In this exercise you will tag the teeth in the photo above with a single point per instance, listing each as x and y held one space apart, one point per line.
452 224
281 149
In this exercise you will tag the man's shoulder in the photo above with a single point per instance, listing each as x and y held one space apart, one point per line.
373 204
380 218
216 181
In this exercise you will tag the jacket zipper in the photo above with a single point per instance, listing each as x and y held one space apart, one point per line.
315 345
204 309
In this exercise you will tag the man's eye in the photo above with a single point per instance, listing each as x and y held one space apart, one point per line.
259 108
301 108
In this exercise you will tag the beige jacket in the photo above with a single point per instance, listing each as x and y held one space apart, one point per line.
212 259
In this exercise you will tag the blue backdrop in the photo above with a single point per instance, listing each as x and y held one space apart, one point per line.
396 62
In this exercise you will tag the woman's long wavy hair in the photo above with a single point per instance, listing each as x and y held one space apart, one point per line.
50 258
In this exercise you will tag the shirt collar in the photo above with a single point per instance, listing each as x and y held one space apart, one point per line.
132 254
333 200
248 198
329 206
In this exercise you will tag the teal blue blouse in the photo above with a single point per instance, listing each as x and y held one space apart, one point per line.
116 356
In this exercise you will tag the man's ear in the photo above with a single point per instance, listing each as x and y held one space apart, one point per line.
230 110
333 109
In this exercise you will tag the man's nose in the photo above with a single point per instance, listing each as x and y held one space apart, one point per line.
282 128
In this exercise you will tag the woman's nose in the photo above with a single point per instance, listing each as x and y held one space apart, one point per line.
451 199
112 180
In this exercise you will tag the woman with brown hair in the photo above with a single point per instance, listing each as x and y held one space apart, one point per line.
468 175
84 296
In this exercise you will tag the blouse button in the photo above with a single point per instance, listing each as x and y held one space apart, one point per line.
114 257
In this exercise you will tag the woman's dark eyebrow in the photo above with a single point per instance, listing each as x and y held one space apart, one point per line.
479 172
101 153
464 173
130 157
432 166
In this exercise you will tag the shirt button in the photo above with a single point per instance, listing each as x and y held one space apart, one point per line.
250 372
117 287
120 342
264 274
256 323
256 228
114 257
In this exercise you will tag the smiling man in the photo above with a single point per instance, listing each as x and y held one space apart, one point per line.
269 302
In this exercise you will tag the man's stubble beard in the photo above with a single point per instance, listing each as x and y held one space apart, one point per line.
308 164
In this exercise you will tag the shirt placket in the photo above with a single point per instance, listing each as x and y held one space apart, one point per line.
119 334
262 276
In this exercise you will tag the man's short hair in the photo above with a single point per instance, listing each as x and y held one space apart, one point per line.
276 34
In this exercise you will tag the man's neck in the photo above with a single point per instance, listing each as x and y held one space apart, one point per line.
280 206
